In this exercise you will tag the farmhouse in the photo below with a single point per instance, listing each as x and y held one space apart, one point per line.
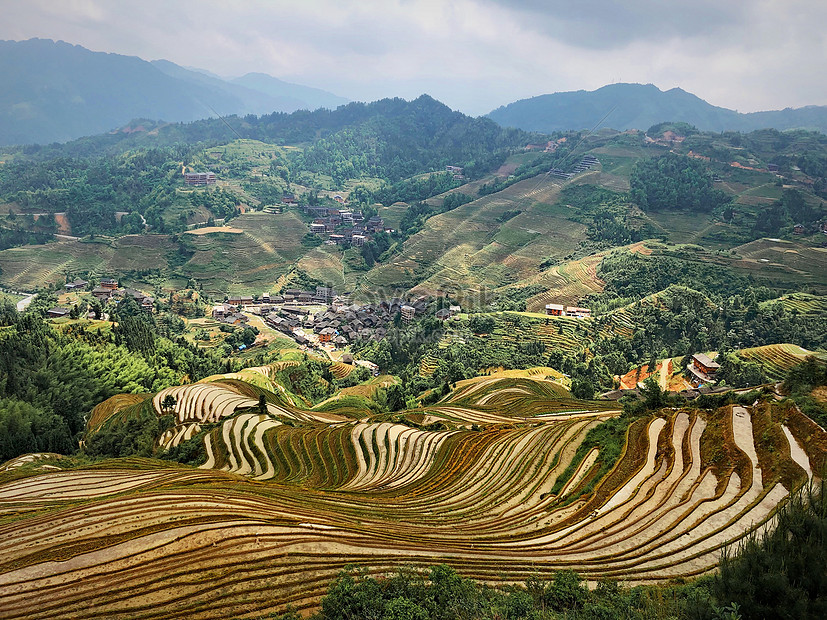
702 369
318 228
77 285
235 318
555 310
316 211
145 301
444 314
373 368
109 283
573 311
57 312
199 178
102 293
239 300
799 229
580 313
324 294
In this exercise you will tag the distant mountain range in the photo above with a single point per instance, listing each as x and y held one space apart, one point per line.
639 106
55 91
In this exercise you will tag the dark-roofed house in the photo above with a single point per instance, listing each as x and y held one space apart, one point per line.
236 318
57 312
102 293
77 284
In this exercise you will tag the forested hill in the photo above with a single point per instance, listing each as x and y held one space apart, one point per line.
639 106
390 138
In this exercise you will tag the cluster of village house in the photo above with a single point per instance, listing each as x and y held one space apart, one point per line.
106 290
352 227
339 324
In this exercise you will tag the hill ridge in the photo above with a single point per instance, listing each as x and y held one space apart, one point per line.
640 106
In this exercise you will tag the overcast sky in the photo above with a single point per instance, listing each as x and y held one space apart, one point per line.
473 55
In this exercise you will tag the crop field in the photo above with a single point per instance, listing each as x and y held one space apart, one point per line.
776 359
31 266
325 264
801 303
392 215
477 245
511 485
250 262
782 262
565 284
566 333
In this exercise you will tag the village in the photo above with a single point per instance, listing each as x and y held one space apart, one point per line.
106 290
323 319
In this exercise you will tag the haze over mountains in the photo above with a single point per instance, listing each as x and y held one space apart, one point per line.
55 91
639 106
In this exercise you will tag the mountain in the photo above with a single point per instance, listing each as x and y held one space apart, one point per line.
310 98
639 106
54 91
232 98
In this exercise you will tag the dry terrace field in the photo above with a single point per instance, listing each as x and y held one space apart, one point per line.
477 245
250 262
287 498
32 266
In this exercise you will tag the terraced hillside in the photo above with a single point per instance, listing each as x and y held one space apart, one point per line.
247 258
249 262
502 237
29 267
777 359
509 483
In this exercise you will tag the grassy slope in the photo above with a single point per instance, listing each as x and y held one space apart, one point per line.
472 247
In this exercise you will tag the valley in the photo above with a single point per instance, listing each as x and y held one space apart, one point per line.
394 337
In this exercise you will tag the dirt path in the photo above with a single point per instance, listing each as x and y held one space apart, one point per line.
664 376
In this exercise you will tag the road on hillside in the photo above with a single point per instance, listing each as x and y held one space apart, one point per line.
24 303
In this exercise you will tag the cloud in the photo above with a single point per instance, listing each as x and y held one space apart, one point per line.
472 54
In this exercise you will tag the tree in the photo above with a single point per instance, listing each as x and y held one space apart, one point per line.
168 404
582 389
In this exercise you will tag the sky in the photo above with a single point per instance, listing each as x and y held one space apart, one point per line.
473 55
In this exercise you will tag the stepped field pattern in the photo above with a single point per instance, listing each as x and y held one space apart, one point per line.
491 480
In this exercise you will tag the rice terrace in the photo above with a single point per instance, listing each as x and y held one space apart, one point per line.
270 353
511 484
